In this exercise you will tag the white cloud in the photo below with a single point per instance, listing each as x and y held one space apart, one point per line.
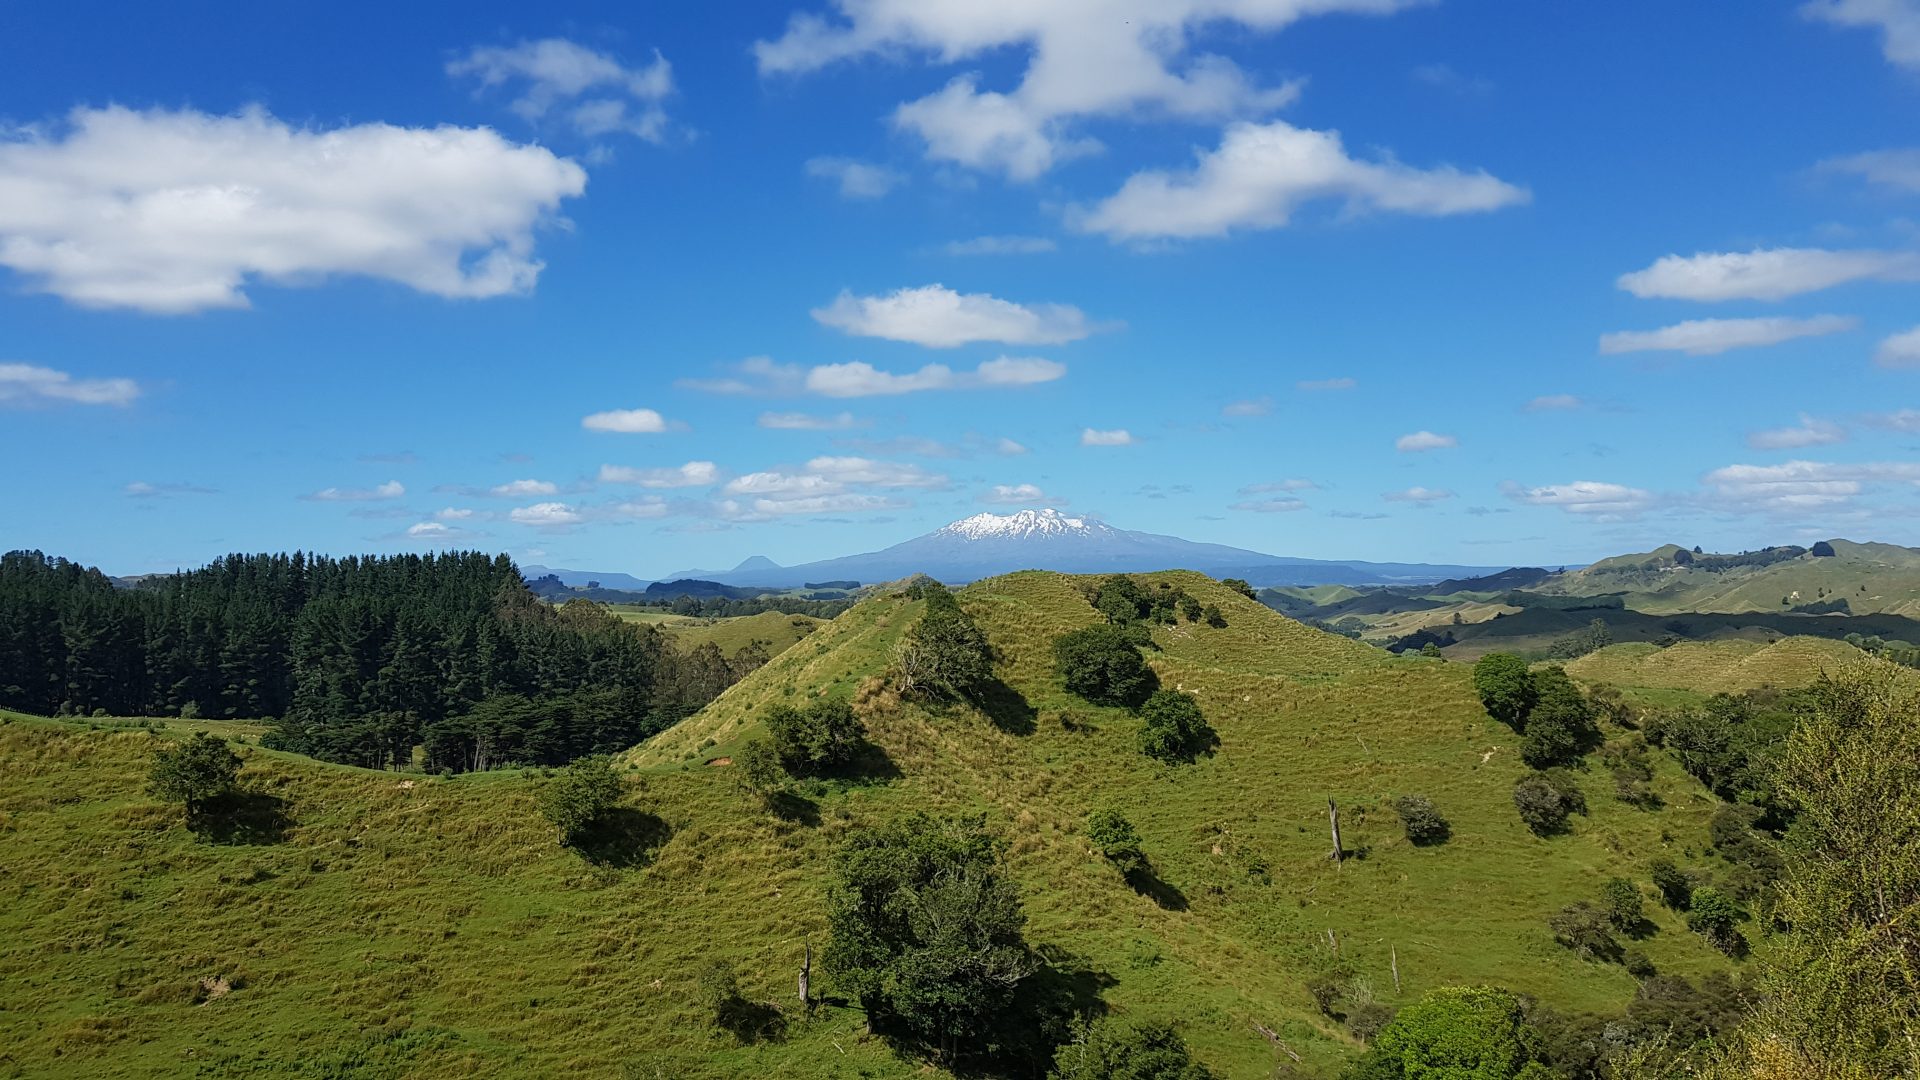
1810 432
793 421
1083 60
454 513
1289 485
431 530
1903 420
1445 77
1270 506
754 375
1418 495
857 179
1554 403
860 379
692 474
848 503
140 489
520 489
650 507
392 489
1019 495
1900 350
1774 274
1259 406
1592 498
174 212
1707 337
26 384
1801 485
627 422
547 515
940 318
1115 437
870 473
1424 440
1262 173
1897 20
1002 245
590 91
1009 448
1319 385
780 484
1898 169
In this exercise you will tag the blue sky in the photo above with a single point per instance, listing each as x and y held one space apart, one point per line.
639 288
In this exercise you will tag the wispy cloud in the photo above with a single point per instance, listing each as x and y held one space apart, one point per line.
692 474
26 384
1708 337
1774 274
590 91
795 421
392 489
1259 406
1113 437
1554 403
1312 386
1002 245
856 179
1809 432
1420 441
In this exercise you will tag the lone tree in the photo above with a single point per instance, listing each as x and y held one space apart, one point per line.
579 796
926 930
195 772
1559 727
1173 729
1240 586
1544 804
1114 837
1505 687
945 655
1102 665
1110 1049
822 737
1121 600
1714 916
1474 1033
1623 905
1675 887
1423 822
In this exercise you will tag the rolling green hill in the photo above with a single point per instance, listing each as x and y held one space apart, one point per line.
382 924
1712 667
1870 578
774 630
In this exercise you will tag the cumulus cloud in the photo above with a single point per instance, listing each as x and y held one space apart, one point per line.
1809 432
793 421
1774 274
1019 495
627 422
1293 484
1083 61
1002 245
1314 386
590 91
1259 406
392 489
173 212
1554 403
546 515
860 379
520 489
1900 350
867 472
1897 169
1008 447
1589 498
1802 485
1708 337
27 384
692 474
1115 437
1420 441
1262 173
1898 22
1418 495
824 485
1902 420
940 318
1270 506
856 179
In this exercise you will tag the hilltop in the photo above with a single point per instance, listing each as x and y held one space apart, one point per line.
431 926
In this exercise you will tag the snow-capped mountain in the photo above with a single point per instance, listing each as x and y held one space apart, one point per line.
987 544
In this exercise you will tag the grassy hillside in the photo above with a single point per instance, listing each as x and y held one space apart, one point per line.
1871 578
1712 667
427 927
777 631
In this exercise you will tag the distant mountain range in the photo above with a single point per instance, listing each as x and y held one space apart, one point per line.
988 544
608 579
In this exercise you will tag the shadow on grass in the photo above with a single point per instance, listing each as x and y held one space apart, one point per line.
242 817
623 837
1005 707
751 1021
790 806
1150 885
870 765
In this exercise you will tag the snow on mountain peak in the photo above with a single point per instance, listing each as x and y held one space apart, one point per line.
1024 524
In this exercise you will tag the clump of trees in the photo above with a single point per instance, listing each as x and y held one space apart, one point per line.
817 739
1423 822
1103 665
1547 799
1125 602
1114 837
194 773
1559 727
927 931
580 796
1114 1049
945 654
1172 728
1455 1031
1586 929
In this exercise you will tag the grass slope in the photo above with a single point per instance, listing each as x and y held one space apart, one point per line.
777 631
1712 667
425 927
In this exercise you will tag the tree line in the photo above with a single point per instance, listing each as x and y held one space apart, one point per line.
356 659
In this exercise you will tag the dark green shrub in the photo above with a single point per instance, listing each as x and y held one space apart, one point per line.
1422 821
579 795
1582 927
1113 1049
194 773
1621 899
822 737
1172 728
1675 887
1114 837
1541 804
1102 665
1505 687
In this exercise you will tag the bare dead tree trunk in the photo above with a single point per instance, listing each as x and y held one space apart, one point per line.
1393 955
807 988
1333 818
